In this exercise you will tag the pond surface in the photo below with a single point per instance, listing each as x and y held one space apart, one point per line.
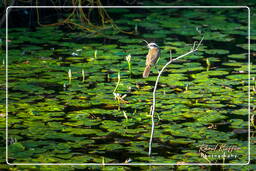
61 106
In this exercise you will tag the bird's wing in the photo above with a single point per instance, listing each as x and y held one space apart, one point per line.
152 56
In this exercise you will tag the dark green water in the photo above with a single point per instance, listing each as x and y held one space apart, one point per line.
202 99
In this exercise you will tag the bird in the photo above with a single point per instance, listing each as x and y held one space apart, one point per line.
152 57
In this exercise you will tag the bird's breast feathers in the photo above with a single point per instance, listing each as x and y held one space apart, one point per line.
152 56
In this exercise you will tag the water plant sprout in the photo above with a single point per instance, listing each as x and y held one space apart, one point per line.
152 108
117 96
128 59
69 75
95 54
118 82
125 115
64 86
208 63
83 75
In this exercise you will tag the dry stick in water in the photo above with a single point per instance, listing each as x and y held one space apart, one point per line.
152 108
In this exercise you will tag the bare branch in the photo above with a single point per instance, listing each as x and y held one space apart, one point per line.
199 43
198 30
152 108
145 41
194 45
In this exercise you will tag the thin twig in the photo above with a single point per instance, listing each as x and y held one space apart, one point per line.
194 45
170 55
199 44
118 82
155 88
145 41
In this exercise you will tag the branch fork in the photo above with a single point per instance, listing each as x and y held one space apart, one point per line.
152 108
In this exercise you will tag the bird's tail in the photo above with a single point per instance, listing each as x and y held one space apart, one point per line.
146 71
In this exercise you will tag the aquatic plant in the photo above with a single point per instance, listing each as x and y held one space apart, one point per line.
128 59
69 75
95 54
125 115
118 97
193 106
118 82
208 63
83 75
64 86
253 121
254 85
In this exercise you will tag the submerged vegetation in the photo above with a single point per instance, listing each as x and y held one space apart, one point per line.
76 96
